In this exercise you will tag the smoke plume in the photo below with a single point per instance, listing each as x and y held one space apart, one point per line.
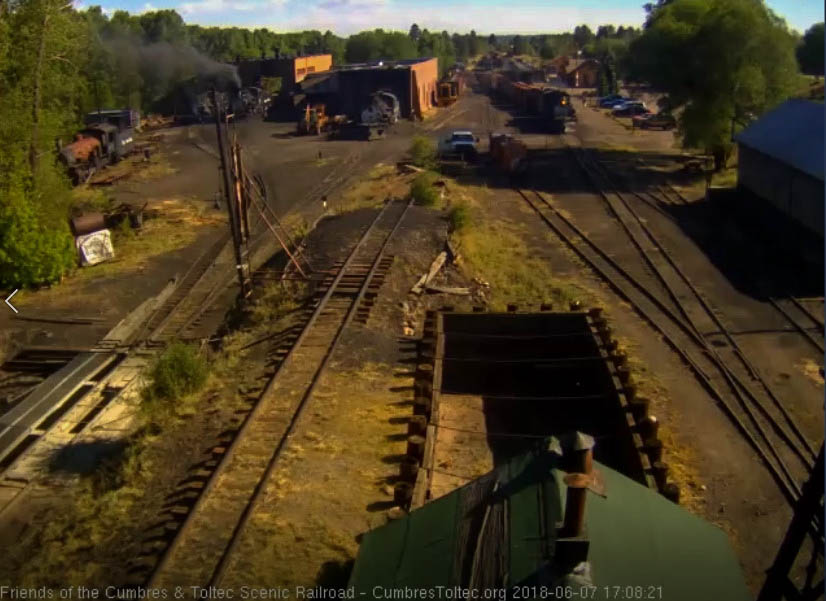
160 69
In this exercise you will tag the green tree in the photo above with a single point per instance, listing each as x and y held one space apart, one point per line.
492 41
720 60
606 31
395 45
415 32
810 50
473 44
41 52
520 45
583 36
334 45
362 47
460 46
548 49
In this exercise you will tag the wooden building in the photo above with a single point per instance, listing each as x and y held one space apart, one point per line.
581 73
781 162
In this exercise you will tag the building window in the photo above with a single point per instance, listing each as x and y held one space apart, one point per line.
310 69
300 71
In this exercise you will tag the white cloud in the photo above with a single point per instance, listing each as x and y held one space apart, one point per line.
220 6
351 16
148 8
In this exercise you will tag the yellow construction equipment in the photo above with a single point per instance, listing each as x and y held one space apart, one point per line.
448 92
314 120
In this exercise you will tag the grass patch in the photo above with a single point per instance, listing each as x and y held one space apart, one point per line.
86 199
178 372
493 248
422 190
423 152
275 301
499 255
381 182
726 178
459 217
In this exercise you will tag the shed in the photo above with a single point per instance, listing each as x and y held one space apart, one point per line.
781 161
500 530
582 73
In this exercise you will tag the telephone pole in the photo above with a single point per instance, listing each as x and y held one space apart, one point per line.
232 197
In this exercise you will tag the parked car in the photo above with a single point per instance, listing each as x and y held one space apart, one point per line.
612 100
624 102
660 120
630 109
458 143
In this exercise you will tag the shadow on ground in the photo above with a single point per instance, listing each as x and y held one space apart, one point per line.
761 251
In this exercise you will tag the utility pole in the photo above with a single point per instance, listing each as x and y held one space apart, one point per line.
233 204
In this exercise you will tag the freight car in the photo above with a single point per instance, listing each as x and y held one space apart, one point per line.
508 153
551 106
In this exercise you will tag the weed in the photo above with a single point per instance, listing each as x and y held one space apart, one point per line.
300 231
180 370
459 217
275 301
423 152
123 231
85 199
422 190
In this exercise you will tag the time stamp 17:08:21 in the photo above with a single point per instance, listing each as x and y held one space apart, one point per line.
644 592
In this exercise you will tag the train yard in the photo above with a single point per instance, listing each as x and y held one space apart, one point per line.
725 376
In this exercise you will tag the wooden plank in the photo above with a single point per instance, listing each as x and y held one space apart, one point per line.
448 290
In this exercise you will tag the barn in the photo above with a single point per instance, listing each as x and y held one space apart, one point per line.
781 163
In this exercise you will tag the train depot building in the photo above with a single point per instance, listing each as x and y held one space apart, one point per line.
347 89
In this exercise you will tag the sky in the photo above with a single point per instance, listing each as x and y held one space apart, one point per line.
345 17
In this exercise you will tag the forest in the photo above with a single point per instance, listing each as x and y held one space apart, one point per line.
57 63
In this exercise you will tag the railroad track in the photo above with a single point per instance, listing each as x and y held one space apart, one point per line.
802 318
191 297
680 316
211 534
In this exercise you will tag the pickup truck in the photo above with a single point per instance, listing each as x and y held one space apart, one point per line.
458 144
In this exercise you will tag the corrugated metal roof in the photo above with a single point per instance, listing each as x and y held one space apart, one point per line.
792 133
637 539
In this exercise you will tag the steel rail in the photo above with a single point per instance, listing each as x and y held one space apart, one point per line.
817 320
700 373
805 333
225 460
738 388
223 565
753 372
203 262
